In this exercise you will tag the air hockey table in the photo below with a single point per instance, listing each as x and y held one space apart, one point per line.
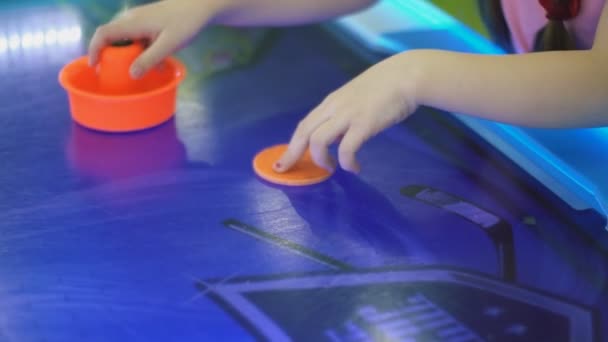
167 234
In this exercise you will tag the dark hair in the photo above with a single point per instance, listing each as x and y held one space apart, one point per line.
554 36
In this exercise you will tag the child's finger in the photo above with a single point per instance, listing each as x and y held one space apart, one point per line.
300 138
351 143
295 150
322 138
160 48
104 35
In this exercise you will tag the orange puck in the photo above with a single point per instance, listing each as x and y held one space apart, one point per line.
304 172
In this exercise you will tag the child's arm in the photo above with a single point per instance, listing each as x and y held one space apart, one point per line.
549 89
284 12
169 24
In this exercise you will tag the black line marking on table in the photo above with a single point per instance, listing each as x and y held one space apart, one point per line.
495 227
286 244
507 168
238 316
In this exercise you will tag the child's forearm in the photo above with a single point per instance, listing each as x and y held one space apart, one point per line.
550 89
284 12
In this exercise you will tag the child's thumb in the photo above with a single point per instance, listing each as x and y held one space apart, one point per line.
162 47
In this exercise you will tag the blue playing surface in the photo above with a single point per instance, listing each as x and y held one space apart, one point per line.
167 234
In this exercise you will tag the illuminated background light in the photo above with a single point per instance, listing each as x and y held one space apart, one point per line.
3 44
14 42
50 37
54 29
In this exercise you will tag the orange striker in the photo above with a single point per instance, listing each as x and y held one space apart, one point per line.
114 67
106 98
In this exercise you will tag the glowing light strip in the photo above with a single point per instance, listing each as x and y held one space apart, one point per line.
37 39
426 12
49 28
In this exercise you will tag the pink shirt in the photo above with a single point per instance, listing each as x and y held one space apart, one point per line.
526 17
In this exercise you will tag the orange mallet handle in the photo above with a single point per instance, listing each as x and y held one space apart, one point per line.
114 64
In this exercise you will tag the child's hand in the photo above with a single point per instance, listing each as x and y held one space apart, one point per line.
380 97
165 25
